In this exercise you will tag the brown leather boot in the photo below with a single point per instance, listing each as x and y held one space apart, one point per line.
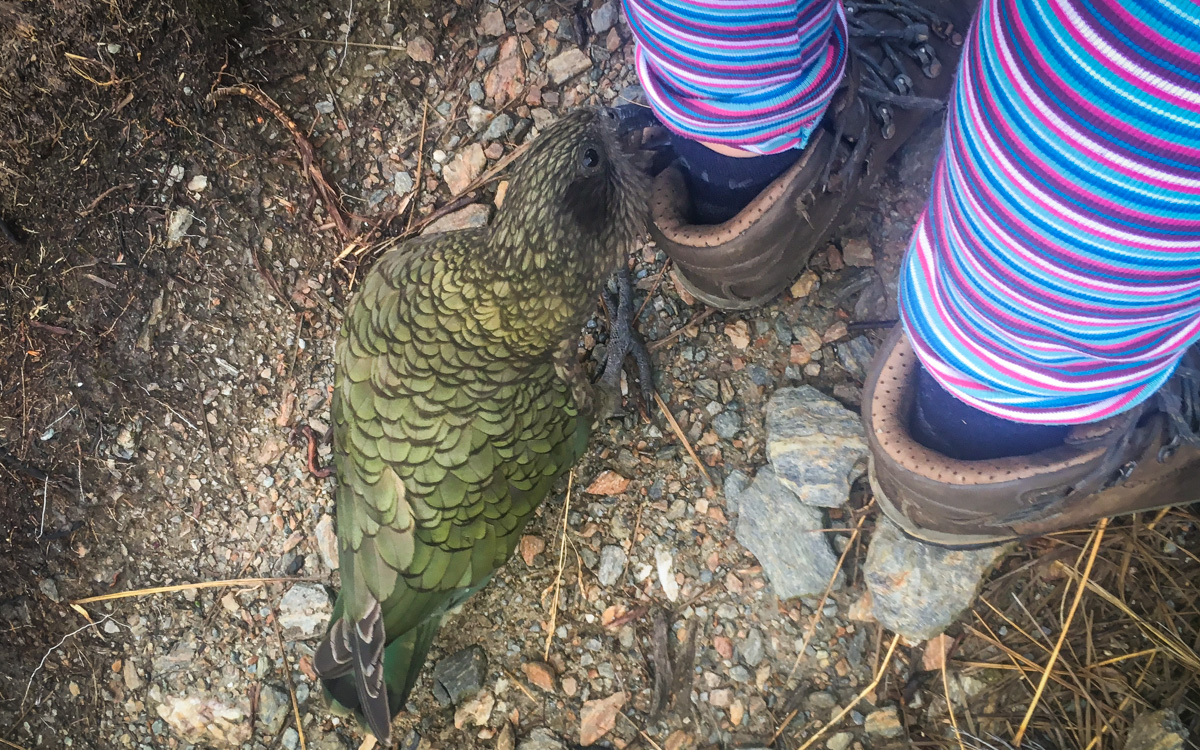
900 68
1143 459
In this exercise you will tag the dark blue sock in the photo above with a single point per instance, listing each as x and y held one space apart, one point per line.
720 186
941 422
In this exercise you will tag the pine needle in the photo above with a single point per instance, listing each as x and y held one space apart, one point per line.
562 557
242 582
1097 537
682 438
887 660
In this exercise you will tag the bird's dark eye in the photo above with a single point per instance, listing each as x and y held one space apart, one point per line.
590 158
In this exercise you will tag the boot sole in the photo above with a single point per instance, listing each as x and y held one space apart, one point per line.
959 541
929 536
720 302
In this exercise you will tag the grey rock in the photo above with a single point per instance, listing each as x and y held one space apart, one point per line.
567 64
50 589
474 215
477 118
735 484
129 673
751 648
858 253
918 589
459 675
783 330
740 674
475 91
759 375
839 741
612 564
821 701
707 388
273 707
727 424
291 739
487 55
326 539
604 17
498 128
1158 730
816 445
631 94
785 536
304 611
855 356
541 739
542 117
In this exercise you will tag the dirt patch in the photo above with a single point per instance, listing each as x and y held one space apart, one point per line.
167 309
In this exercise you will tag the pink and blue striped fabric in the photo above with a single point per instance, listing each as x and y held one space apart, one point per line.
753 74
1054 277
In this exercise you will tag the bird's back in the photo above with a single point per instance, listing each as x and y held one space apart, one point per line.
445 443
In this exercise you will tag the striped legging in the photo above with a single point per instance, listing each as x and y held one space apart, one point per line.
1054 276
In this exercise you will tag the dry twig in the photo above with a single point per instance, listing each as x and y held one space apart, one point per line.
307 155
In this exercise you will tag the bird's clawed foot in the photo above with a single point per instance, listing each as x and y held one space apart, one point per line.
623 341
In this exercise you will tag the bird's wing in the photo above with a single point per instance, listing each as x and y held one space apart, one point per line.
442 454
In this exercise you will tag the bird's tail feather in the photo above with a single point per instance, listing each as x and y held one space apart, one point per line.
402 662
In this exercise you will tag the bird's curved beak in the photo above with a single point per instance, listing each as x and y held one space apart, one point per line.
632 117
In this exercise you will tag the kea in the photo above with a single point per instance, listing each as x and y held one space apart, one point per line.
458 401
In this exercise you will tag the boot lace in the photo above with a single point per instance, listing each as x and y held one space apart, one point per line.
884 83
1182 409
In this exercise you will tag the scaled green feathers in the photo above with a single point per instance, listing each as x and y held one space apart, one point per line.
453 411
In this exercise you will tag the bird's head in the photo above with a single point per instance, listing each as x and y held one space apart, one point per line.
575 195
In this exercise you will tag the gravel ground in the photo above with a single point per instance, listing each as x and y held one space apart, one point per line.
176 460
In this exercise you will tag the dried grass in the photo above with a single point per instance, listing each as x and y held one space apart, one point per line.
1090 630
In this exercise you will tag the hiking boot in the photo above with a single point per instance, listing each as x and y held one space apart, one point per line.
1146 458
903 57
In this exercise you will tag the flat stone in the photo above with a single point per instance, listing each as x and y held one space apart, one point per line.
202 719
604 17
459 675
839 741
492 23
499 127
464 168
786 537
420 49
541 739
273 707
507 79
727 424
884 723
918 589
568 64
290 739
478 118
304 611
855 356
523 21
129 673
752 649
612 564
857 252
471 217
1157 730
598 717
402 183
327 545
816 446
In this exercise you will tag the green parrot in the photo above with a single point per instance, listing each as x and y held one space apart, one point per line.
458 402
